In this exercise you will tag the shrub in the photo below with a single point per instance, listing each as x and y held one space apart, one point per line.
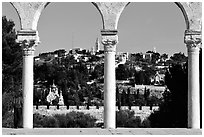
8 120
62 120
7 102
45 121
127 118
79 119
146 123
38 120
50 121
69 120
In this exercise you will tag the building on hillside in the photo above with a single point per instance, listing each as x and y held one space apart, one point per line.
147 56
159 78
61 53
48 56
54 97
75 50
122 56
138 68
162 66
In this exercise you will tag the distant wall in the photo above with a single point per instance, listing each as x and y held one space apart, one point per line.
98 113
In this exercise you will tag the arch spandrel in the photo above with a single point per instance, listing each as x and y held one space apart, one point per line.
29 13
193 11
110 12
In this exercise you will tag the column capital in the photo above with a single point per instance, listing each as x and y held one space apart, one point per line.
28 40
193 39
109 40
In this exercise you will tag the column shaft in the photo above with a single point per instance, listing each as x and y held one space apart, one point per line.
109 90
28 40
193 88
28 91
109 40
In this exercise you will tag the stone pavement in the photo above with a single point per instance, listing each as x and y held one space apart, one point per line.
99 131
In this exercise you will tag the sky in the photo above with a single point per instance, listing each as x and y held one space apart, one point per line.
141 27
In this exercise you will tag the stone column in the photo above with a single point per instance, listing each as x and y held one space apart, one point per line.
109 40
28 40
193 42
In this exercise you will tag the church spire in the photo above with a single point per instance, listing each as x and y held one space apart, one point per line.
97 45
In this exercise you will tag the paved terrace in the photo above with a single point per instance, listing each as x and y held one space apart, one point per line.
99 131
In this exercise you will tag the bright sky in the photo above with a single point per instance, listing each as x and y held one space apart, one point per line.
142 26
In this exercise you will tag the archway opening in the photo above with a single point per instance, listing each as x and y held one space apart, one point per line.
63 21
70 37
147 33
149 25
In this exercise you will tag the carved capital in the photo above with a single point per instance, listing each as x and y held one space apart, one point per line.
28 40
109 43
193 39
109 40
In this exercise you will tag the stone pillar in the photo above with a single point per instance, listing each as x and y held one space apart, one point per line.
28 40
193 42
109 40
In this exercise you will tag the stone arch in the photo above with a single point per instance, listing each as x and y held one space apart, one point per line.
184 13
29 13
17 13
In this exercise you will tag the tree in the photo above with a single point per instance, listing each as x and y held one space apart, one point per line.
60 52
155 57
118 98
122 72
94 58
11 65
98 71
173 111
130 98
139 77
179 58
123 98
164 56
138 57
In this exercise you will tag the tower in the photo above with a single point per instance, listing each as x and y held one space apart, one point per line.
61 100
92 50
97 45
154 50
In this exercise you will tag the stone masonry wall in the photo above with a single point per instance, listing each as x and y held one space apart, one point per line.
98 113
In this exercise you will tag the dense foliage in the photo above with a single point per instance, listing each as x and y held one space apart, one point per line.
11 66
69 120
173 112
127 118
136 99
72 77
